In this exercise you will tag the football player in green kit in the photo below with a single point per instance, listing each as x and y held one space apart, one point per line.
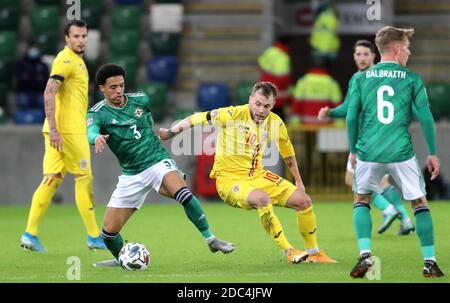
124 123
381 105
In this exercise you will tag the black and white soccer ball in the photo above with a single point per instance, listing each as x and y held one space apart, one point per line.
134 256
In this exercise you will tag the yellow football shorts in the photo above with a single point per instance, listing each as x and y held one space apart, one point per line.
234 191
75 157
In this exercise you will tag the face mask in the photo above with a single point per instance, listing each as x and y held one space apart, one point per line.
34 53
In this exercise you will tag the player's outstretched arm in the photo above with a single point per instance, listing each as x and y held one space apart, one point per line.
167 133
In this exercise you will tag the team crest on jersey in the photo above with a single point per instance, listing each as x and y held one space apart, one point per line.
236 188
138 112
90 121
83 164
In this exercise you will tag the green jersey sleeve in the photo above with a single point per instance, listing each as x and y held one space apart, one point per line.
341 110
353 112
93 126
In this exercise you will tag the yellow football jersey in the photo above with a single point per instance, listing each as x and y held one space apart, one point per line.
240 142
72 97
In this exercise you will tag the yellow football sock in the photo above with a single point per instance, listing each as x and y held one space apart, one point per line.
273 227
307 225
40 202
84 198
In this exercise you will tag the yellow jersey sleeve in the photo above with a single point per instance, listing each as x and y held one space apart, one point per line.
215 117
62 66
281 137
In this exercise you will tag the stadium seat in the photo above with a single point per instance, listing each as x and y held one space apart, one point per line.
123 42
439 96
45 17
164 43
8 44
166 18
130 64
128 2
7 68
90 15
9 18
212 95
29 116
10 3
242 91
162 69
126 17
47 41
157 93
92 3
48 2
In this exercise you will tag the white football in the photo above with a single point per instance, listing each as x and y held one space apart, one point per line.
134 256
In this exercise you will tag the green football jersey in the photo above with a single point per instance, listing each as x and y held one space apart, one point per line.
385 97
341 110
131 136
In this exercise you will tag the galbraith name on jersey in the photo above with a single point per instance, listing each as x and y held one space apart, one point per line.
381 73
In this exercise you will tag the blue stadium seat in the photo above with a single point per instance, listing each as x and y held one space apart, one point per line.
213 95
162 69
29 116
30 100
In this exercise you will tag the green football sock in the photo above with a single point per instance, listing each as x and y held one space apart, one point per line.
394 197
363 225
379 202
424 227
114 243
194 212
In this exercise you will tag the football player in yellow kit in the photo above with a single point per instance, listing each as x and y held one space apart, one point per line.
241 180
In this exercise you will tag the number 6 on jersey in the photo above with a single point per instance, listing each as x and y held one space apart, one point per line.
381 104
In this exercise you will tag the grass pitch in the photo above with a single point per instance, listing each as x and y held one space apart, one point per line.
179 254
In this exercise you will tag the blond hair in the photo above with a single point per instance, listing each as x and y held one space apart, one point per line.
388 34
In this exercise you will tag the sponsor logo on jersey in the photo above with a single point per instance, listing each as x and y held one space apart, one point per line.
138 112
66 61
114 121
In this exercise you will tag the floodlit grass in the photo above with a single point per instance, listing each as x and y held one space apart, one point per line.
179 254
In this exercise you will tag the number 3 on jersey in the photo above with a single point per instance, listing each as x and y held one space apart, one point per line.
382 104
136 133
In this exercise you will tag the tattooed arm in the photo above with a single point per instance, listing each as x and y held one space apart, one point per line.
49 103
167 133
291 162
